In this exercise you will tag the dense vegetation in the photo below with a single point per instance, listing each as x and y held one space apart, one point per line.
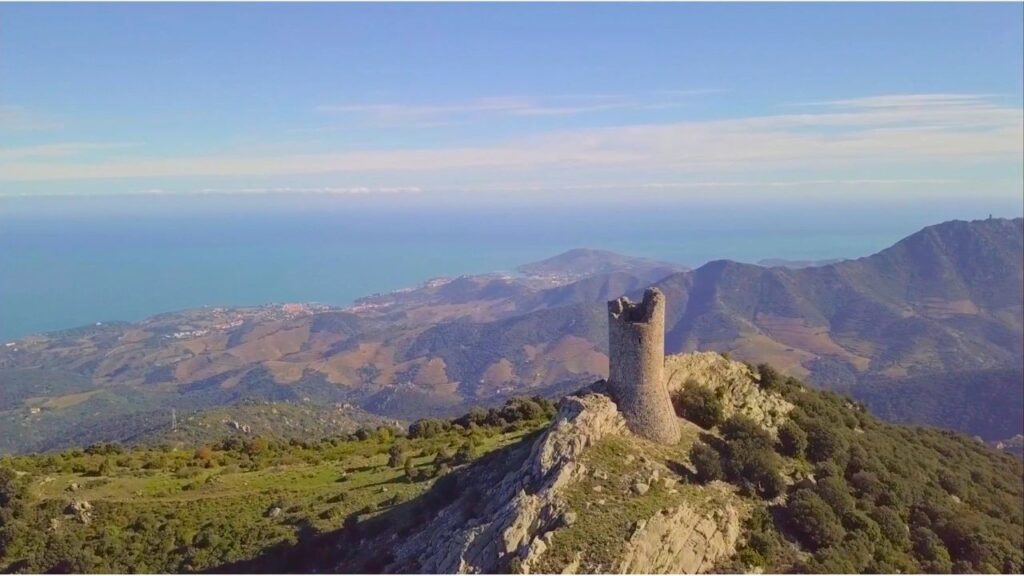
865 496
111 509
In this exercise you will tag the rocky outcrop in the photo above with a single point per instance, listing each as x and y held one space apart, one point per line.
681 540
523 508
507 514
735 382
80 509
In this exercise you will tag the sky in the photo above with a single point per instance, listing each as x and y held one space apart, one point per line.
570 102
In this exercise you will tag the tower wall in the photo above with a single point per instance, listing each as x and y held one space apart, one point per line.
636 352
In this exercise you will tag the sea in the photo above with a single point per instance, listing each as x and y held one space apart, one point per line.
68 261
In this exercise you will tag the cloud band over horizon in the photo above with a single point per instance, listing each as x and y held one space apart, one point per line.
883 138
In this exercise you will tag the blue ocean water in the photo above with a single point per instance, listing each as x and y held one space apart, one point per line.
71 262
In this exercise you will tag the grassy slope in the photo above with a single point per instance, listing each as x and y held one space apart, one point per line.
172 511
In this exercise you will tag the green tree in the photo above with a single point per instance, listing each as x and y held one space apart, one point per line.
792 440
427 428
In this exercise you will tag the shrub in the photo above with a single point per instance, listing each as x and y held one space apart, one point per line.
106 468
892 526
761 534
867 485
792 440
769 378
476 415
742 429
763 472
256 446
707 462
385 434
813 520
824 443
930 552
396 456
699 405
834 491
952 483
755 466
9 489
750 558
465 454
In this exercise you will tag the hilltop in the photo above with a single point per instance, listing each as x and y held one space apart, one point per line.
818 485
779 478
936 315
583 262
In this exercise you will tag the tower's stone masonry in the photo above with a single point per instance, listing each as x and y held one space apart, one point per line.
636 352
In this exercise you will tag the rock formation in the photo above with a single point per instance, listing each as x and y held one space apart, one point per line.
636 363
734 382
516 522
527 503
681 540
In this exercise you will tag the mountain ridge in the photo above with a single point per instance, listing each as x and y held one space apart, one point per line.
945 300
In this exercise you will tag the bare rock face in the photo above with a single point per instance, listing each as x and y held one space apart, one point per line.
513 521
681 540
80 509
738 384
523 508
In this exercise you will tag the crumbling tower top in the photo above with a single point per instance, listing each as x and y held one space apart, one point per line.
636 354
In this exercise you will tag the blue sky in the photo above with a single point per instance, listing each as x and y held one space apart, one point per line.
533 101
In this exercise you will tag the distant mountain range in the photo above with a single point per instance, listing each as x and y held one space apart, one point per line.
937 316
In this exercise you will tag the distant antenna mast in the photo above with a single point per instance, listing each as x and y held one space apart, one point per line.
174 419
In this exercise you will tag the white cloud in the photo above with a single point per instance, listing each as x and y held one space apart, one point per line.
329 190
558 105
57 150
15 118
870 133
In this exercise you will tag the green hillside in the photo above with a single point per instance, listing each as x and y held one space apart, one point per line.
109 509
839 491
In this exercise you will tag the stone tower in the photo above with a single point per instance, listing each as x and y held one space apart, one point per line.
636 353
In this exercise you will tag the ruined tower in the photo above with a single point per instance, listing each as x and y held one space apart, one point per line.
636 353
